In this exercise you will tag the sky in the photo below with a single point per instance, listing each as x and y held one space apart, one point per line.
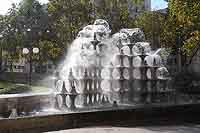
6 4
158 4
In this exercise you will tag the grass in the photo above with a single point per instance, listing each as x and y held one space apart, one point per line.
38 89
12 88
4 84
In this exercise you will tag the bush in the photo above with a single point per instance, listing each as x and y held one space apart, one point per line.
15 89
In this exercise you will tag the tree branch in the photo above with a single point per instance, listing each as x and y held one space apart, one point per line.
193 55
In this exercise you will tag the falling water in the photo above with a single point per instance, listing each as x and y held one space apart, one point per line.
13 113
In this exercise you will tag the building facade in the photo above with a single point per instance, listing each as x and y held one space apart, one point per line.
147 5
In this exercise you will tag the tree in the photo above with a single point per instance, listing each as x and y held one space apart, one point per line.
10 38
26 25
35 17
70 16
53 51
179 29
119 13
30 24
184 21
152 24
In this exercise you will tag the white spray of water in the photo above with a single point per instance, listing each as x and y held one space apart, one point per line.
82 52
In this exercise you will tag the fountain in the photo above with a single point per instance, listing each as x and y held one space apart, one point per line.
101 70
102 73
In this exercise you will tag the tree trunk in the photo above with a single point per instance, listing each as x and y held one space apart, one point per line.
1 59
193 55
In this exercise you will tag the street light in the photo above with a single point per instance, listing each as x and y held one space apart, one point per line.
179 42
1 36
29 30
30 51
27 50
36 50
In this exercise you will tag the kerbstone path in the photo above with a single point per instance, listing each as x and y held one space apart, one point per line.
159 129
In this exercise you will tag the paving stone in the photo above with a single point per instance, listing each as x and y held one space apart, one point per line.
159 129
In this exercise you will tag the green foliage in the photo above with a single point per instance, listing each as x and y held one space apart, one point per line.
152 24
184 18
192 43
4 84
10 37
54 50
26 24
180 28
70 16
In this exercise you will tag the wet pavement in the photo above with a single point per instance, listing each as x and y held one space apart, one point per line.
158 129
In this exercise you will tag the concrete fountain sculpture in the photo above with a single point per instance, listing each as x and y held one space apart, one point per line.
101 70
102 74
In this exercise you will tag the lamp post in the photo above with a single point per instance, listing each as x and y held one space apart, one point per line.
30 51
179 41
1 36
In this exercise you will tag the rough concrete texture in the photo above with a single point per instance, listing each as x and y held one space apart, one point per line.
24 102
133 117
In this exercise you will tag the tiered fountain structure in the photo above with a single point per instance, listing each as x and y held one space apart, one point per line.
103 71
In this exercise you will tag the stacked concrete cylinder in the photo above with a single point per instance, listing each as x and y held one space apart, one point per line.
85 82
145 89
70 93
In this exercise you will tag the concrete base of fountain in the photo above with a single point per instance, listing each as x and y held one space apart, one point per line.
141 115
24 103
39 116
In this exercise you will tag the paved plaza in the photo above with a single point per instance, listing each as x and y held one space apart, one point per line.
159 129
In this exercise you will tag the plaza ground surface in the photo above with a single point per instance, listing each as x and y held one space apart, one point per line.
158 129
